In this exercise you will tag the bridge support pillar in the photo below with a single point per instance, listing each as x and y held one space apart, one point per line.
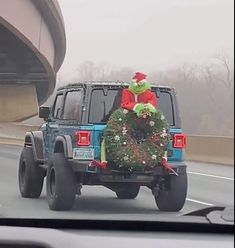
17 102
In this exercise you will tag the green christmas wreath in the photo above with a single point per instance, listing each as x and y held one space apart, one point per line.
136 142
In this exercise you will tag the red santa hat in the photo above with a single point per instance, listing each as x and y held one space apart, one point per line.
139 78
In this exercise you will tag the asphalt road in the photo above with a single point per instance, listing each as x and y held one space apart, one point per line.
208 185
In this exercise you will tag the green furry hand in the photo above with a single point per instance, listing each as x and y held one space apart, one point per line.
150 108
138 108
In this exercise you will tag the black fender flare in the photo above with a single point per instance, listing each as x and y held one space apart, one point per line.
35 140
63 144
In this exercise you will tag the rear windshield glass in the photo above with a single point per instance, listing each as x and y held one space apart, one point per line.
104 103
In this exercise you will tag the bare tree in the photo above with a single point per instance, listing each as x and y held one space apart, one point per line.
221 72
87 71
227 77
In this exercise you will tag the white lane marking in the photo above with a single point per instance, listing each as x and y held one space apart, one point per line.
209 175
200 202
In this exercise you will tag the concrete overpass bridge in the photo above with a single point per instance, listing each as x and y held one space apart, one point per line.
32 49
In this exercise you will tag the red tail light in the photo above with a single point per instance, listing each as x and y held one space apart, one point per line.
83 138
179 140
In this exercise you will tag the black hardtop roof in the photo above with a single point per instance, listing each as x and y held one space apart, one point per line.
104 83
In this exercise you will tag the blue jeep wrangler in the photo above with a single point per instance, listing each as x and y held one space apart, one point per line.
71 136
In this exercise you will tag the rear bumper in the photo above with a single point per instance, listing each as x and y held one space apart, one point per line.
108 175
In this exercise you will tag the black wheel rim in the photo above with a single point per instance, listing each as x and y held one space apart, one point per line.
52 182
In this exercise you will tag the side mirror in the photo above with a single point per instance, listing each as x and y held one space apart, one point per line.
44 112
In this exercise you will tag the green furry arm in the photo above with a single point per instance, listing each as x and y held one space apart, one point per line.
138 108
150 108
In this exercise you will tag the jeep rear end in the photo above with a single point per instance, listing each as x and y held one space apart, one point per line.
71 138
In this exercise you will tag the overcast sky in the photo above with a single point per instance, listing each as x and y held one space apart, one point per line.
146 35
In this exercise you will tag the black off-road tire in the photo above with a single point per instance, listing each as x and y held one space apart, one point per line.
129 191
60 183
173 197
30 175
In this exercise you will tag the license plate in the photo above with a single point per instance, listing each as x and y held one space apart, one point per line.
83 153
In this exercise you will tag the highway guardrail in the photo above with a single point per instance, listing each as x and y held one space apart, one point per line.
212 149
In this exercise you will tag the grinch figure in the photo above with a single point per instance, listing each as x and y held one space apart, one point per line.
138 97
